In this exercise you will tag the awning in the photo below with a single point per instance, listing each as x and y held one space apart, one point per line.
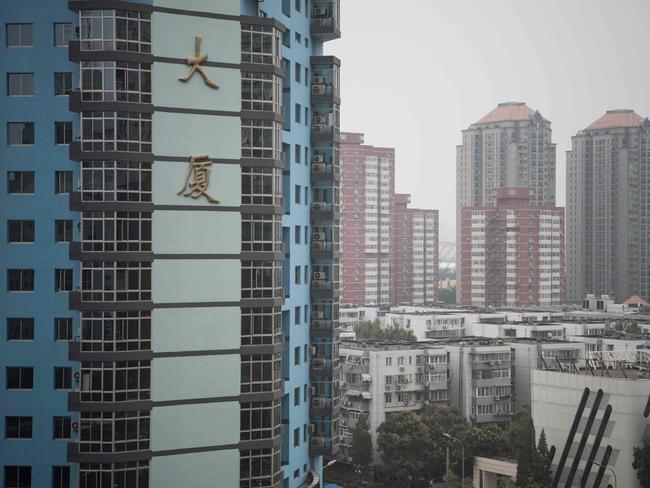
366 395
366 377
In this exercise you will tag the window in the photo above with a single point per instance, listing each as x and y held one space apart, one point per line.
62 280
306 122
115 30
306 226
388 397
62 84
63 230
297 194
20 280
261 91
297 275
62 182
306 279
261 139
20 35
18 427
20 84
61 428
298 37
306 83
298 114
298 2
18 477
298 74
296 473
63 329
306 148
296 234
306 309
296 437
305 396
20 378
305 353
20 329
62 378
298 153
296 356
296 315
20 231
20 133
116 131
389 361
296 391
62 132
62 34
20 182
60 476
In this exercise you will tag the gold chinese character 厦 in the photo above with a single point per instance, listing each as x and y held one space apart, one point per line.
198 178
195 62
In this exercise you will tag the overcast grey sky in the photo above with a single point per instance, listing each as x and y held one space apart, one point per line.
417 72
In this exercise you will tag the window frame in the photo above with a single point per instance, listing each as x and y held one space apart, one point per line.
63 41
24 325
22 175
20 34
28 127
25 227
20 76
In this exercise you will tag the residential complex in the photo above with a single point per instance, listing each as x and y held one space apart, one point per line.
509 147
608 208
389 251
170 241
512 253
414 250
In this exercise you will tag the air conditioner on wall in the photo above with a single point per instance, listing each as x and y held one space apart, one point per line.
319 275
319 89
318 245
320 119
317 80
317 314
318 168
318 236
319 206
319 12
75 426
318 158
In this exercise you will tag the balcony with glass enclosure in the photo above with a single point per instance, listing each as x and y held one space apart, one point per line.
325 81
326 19
325 122
325 162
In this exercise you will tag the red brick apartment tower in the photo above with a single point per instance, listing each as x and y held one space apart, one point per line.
414 253
512 253
367 186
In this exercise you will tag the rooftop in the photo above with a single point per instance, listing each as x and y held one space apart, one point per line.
617 118
508 111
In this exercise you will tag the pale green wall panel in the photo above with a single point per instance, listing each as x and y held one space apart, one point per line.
196 280
168 91
173 35
196 329
190 377
215 469
169 178
184 135
199 425
177 232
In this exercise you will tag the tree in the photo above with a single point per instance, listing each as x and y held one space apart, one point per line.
405 444
542 468
447 295
361 448
445 420
642 462
522 441
373 330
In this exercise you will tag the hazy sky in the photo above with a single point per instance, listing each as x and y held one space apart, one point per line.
416 72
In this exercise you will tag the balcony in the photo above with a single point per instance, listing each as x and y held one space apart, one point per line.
322 406
323 210
325 20
323 288
321 367
323 249
323 446
321 171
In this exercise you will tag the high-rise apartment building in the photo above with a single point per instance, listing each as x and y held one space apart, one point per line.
169 237
509 147
512 253
608 208
414 250
367 189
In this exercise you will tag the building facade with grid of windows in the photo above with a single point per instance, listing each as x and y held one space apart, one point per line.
171 301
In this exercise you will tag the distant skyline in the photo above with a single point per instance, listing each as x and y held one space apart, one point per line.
414 77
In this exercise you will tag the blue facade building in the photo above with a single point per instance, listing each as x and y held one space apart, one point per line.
169 237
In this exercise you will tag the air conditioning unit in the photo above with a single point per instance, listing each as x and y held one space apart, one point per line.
76 375
320 119
312 350
318 158
318 363
312 428
319 12
75 426
319 275
319 128
317 314
318 246
318 402
319 22
498 362
319 89
318 236
491 363
313 391
317 80
318 168
318 324
322 206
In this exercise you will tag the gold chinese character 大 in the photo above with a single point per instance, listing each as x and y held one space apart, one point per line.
198 178
195 62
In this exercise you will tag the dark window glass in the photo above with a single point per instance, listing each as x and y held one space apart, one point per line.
20 231
63 132
62 378
20 182
62 84
20 329
62 182
20 279
63 329
63 230
60 476
20 133
19 378
62 33
20 35
61 428
63 280
20 84
18 427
